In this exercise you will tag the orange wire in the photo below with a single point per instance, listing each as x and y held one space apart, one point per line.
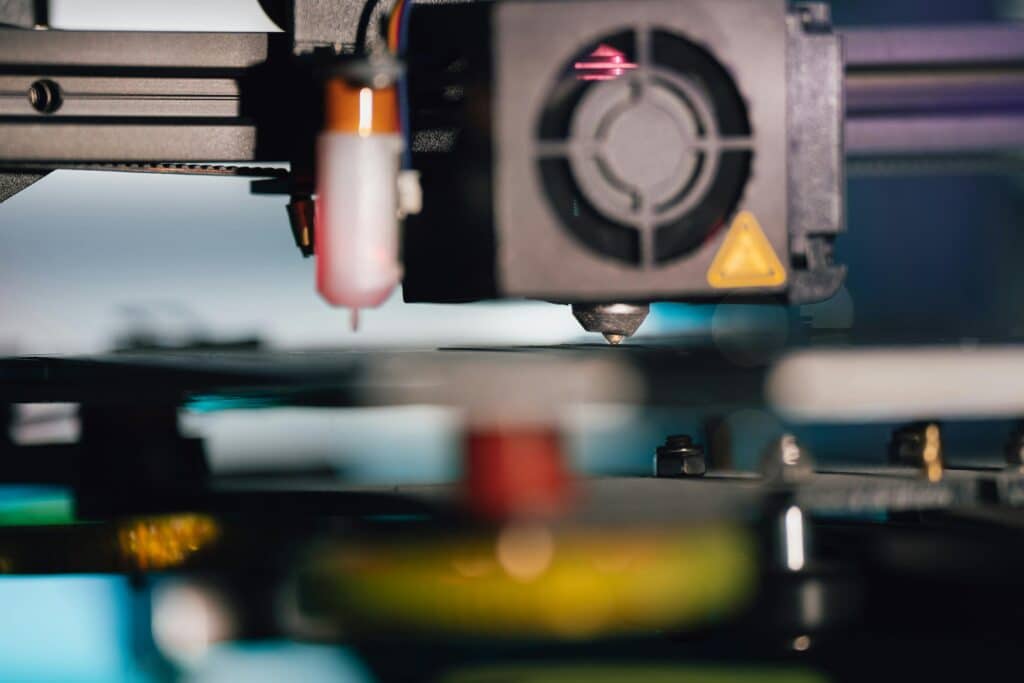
394 23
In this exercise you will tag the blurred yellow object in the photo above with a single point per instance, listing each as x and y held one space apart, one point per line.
164 542
931 455
530 581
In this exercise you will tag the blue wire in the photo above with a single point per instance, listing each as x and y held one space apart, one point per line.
403 28
403 85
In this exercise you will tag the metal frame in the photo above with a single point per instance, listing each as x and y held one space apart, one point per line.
132 97
181 97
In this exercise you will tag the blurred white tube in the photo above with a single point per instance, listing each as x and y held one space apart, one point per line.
886 385
357 238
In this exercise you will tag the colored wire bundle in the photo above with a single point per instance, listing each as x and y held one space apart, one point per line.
398 40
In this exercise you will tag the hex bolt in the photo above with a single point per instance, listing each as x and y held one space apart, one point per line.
679 457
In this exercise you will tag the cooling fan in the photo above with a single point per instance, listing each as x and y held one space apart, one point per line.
626 152
632 138
644 147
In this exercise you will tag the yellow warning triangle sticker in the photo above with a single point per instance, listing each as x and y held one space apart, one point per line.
746 258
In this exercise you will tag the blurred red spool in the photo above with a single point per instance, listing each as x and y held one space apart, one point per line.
516 473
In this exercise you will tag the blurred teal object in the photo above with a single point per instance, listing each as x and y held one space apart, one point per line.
35 505
679 318
269 662
74 629
214 404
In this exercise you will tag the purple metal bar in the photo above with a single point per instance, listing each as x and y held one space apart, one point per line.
881 92
962 45
875 136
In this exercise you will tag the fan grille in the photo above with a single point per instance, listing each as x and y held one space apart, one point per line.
644 147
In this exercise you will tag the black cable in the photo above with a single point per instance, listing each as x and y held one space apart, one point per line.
363 28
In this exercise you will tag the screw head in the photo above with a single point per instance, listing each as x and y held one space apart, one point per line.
45 96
